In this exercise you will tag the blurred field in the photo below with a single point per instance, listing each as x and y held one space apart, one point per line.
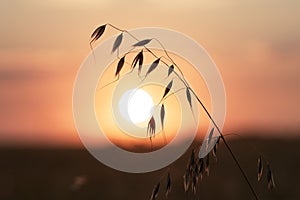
51 174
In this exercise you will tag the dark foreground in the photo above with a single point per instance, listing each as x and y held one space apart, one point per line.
75 174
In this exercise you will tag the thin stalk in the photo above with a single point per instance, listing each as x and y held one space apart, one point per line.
183 80
164 49
227 146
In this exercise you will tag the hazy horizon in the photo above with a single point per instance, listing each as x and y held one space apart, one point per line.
249 134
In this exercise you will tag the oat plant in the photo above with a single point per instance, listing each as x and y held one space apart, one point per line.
197 166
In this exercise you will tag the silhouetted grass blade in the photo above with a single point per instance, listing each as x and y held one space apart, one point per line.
271 183
194 183
137 58
214 152
134 62
207 165
218 141
188 96
186 180
153 66
201 168
151 127
260 168
171 69
117 42
168 88
120 65
162 115
168 188
155 192
97 33
192 159
210 135
141 59
142 43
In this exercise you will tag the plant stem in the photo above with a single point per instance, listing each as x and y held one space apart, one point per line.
183 80
227 146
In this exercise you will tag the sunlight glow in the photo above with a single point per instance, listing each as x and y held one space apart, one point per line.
136 106
139 106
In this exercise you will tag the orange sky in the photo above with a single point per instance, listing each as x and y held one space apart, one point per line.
255 44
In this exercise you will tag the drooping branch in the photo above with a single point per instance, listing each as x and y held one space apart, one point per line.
151 125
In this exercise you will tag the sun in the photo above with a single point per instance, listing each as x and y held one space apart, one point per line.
136 106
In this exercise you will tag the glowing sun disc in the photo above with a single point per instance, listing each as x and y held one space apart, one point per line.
136 106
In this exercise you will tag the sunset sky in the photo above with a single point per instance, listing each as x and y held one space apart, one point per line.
255 44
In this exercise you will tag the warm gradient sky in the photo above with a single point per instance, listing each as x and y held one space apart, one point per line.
256 45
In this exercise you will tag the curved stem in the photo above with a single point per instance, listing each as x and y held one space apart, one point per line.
227 146
167 54
184 81
163 99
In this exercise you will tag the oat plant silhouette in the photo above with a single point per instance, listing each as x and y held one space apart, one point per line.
197 166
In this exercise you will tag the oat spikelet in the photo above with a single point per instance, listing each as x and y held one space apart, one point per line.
168 88
271 183
186 180
120 66
214 152
138 59
171 69
155 192
141 59
97 33
200 168
142 43
210 136
207 165
260 167
218 141
151 127
117 42
152 66
168 188
162 115
192 159
194 183
189 98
